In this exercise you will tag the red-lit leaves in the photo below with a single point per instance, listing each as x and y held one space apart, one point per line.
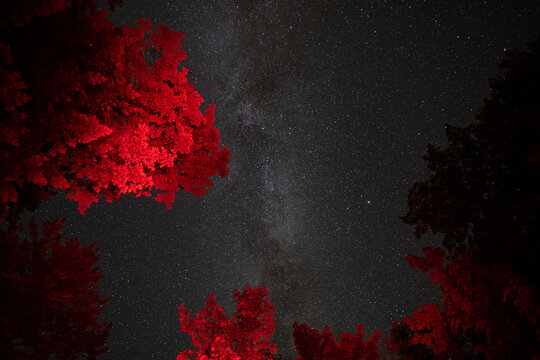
82 111
486 310
428 328
246 336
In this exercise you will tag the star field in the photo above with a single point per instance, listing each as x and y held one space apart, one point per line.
327 108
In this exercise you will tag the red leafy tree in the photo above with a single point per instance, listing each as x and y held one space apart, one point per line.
50 300
82 110
313 345
245 336
486 310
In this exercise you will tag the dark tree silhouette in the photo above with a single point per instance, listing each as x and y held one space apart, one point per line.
50 301
313 345
483 196
246 336
81 110
483 192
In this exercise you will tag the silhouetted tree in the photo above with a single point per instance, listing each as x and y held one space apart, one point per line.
483 196
313 345
81 110
49 303
483 192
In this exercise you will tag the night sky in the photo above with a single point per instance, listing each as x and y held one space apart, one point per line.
328 109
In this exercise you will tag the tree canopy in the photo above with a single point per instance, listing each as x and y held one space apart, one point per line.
245 336
50 299
482 195
82 110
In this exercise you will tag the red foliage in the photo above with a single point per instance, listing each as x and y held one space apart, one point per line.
312 345
244 337
486 310
428 329
50 301
82 111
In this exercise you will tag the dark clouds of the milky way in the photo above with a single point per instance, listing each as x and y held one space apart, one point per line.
327 108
